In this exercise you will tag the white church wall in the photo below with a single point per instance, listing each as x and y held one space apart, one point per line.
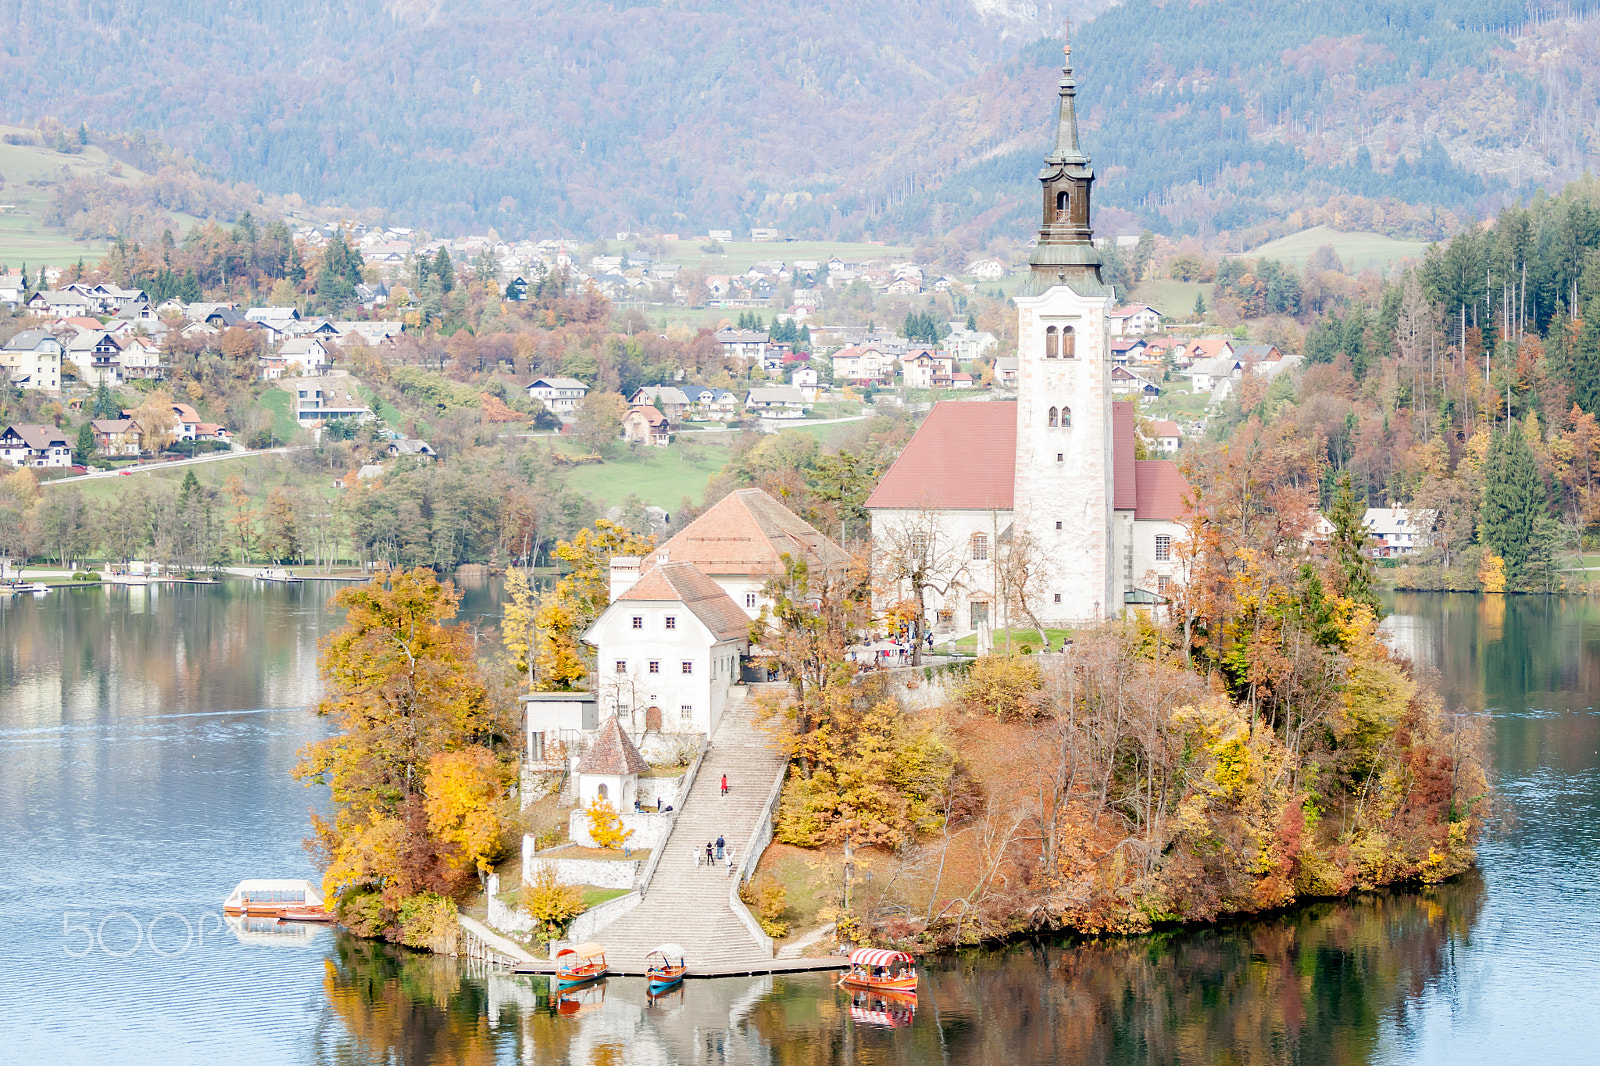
966 579
629 691
1149 566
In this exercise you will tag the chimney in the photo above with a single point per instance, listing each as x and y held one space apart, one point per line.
624 574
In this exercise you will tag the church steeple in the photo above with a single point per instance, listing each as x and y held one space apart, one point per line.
1065 254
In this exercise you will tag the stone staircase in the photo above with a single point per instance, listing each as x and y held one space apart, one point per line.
687 904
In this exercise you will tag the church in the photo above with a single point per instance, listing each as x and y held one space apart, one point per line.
1055 471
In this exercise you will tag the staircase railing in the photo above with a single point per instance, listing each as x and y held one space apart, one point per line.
649 871
760 837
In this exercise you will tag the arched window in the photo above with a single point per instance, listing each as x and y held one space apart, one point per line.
1052 343
1063 201
1066 418
1069 343
601 792
1052 418
980 546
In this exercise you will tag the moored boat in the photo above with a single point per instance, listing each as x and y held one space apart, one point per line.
882 970
888 1009
580 965
665 967
286 899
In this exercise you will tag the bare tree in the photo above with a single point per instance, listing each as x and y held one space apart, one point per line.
915 551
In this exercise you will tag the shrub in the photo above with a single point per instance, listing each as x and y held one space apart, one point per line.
770 900
1000 684
549 901
428 920
363 913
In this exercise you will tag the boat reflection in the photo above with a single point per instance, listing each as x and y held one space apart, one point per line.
890 1010
670 997
582 1000
271 932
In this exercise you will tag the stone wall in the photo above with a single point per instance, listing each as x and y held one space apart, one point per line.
505 917
601 873
649 830
664 790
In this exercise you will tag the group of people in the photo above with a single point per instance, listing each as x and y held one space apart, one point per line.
717 851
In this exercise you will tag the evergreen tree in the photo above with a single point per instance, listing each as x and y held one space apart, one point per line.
444 271
83 133
83 451
1514 499
1583 358
1199 304
972 321
1352 569
189 289
105 403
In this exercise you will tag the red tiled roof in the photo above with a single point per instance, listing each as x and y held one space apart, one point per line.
748 532
684 583
1124 477
1163 428
612 752
1161 489
962 458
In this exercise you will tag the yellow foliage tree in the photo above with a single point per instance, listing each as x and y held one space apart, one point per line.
518 620
578 599
551 902
605 824
464 791
1492 572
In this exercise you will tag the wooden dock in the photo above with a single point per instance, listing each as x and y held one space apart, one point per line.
637 967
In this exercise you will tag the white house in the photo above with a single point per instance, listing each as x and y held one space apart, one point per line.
32 360
803 377
987 269
968 345
1135 320
1208 374
1164 434
610 769
1124 381
1397 531
98 357
780 401
307 354
667 651
561 395
27 445
857 363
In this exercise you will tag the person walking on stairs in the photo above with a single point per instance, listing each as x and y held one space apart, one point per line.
724 784
709 860
720 845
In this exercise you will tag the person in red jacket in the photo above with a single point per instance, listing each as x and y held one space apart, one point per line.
724 784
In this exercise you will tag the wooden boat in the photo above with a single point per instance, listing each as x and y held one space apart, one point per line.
581 1000
882 971
580 965
286 899
665 967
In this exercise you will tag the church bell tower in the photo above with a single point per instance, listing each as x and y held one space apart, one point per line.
1064 477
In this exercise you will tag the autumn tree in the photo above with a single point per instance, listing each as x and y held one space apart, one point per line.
157 421
918 556
577 600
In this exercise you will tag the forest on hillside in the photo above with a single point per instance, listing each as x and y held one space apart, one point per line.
1405 116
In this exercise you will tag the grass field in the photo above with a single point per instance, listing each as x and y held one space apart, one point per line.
1176 402
1357 251
260 472
659 476
1175 299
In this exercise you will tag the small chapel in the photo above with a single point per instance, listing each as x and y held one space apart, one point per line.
1059 465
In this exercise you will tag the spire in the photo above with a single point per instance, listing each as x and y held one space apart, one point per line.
1067 150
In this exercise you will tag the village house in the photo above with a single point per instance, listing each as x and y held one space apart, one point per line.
98 357
987 270
1005 370
1207 374
59 303
323 400
1126 350
669 399
744 344
968 346
782 401
1134 320
117 437
410 448
803 377
308 355
1164 435
36 446
1124 381
646 425
1257 353
1397 531
561 395
668 650
32 360
141 358
858 364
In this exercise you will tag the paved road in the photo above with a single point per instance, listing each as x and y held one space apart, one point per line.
130 471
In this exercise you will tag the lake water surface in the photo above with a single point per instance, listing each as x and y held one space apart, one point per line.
146 739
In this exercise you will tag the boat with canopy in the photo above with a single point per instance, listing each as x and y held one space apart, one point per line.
665 966
580 964
885 971
286 899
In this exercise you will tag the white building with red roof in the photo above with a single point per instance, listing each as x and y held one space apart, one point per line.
1051 479
667 651
1135 320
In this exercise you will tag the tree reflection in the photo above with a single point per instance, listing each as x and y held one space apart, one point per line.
1311 986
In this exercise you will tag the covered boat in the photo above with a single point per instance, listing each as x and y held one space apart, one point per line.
888 1009
885 971
579 965
665 966
286 899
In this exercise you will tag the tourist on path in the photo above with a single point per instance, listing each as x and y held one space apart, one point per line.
724 784
708 853
720 845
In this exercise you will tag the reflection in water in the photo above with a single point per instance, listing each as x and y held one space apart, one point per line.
145 743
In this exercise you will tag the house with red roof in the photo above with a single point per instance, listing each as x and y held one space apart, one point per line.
1135 320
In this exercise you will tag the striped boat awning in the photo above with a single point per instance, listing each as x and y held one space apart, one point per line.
878 957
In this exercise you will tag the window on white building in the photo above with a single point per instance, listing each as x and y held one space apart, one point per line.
688 667
1058 525
980 547
1052 343
1055 416
1061 457
672 621
1163 585
686 713
1163 548
979 614
655 666
638 621
622 666
749 599
1058 597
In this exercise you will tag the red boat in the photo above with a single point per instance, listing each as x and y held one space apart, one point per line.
882 971
579 965
288 900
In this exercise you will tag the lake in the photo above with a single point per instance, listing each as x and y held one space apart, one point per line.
146 738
